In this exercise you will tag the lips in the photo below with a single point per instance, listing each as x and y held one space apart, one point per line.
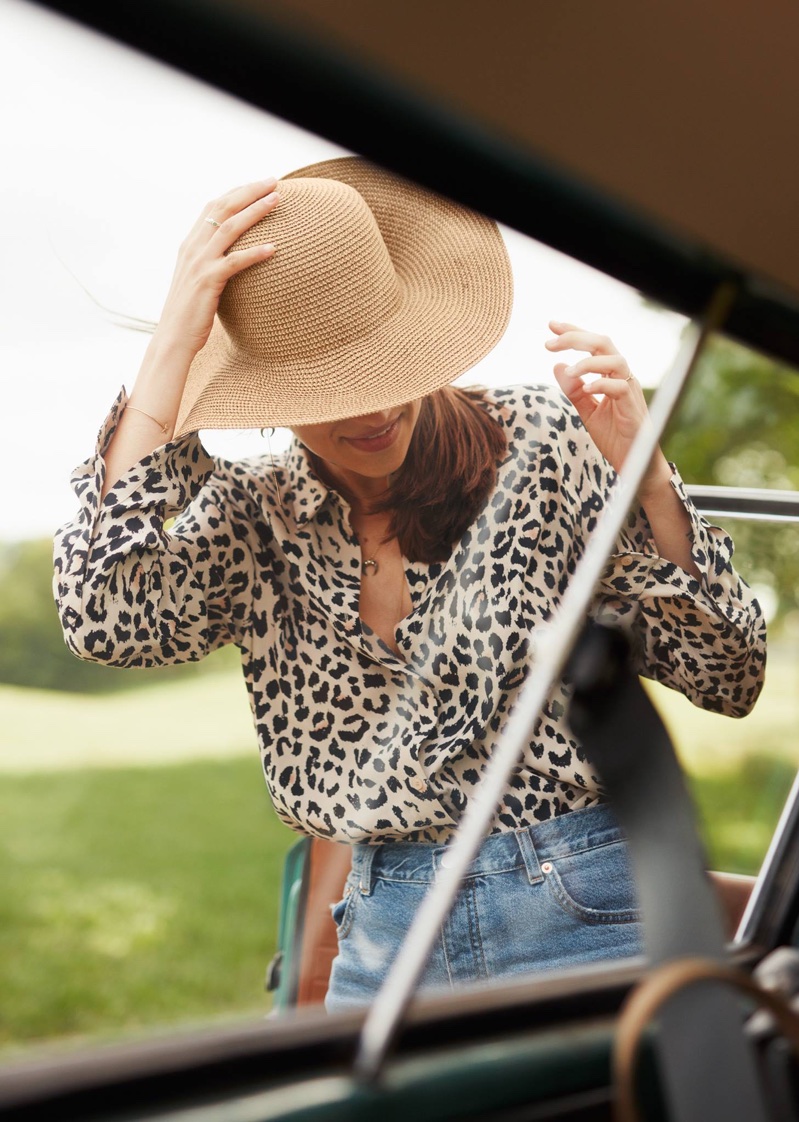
378 439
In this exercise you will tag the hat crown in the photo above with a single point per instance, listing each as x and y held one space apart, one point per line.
331 282
381 292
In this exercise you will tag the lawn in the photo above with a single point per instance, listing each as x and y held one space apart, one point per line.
135 896
141 861
739 771
203 717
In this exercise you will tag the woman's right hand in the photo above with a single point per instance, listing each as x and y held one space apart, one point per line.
203 268
204 264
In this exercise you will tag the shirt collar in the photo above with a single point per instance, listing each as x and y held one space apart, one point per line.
307 492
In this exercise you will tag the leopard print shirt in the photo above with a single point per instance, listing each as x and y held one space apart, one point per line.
357 743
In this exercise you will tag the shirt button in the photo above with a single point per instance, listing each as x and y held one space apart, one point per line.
418 785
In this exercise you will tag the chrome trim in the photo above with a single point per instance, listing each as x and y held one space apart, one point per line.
551 653
774 892
750 503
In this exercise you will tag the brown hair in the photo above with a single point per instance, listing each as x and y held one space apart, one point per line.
448 473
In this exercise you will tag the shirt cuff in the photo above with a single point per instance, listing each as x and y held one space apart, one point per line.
637 572
159 486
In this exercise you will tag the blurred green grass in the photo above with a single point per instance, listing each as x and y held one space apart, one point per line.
739 771
202 717
135 896
139 896
738 810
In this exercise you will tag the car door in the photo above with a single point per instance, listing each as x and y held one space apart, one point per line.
544 1046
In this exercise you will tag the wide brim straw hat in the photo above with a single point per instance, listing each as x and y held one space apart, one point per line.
380 292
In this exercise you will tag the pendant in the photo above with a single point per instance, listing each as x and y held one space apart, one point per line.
368 564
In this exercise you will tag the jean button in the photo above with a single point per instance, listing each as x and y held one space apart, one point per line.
546 867
447 861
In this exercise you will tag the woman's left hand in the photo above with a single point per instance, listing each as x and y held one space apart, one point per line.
614 420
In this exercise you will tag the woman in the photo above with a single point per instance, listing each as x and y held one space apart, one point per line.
385 581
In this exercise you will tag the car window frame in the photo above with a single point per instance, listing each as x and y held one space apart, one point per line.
763 918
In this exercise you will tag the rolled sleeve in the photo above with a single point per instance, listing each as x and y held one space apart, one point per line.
705 637
128 592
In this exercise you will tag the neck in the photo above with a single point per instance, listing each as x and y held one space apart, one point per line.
361 490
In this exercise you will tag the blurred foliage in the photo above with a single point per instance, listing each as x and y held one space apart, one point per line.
736 422
32 647
737 425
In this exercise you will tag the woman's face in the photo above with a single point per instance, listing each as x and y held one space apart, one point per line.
363 451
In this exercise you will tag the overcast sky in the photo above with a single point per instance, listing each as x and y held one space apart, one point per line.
107 158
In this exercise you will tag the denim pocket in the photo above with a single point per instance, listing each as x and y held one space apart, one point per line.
595 885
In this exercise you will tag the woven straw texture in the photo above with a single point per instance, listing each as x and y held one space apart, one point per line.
380 292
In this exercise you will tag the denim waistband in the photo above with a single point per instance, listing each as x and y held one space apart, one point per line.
573 832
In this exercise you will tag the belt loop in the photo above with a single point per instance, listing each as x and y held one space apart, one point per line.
529 855
365 883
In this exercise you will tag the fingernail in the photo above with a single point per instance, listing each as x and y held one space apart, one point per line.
270 182
570 370
269 248
550 342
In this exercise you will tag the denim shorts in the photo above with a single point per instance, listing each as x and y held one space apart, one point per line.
547 897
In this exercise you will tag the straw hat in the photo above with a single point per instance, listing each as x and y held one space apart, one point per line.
380 292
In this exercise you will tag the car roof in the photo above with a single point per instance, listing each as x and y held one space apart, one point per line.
655 143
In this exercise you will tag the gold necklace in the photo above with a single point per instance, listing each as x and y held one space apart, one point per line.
369 564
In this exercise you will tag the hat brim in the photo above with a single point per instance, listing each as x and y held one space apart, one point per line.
456 293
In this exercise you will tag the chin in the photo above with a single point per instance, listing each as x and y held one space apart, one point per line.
379 467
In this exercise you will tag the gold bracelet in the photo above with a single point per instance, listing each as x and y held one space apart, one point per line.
163 428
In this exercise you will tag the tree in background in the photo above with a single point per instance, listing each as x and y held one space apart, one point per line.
32 647
738 421
737 425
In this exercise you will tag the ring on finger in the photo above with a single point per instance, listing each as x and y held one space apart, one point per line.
212 221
